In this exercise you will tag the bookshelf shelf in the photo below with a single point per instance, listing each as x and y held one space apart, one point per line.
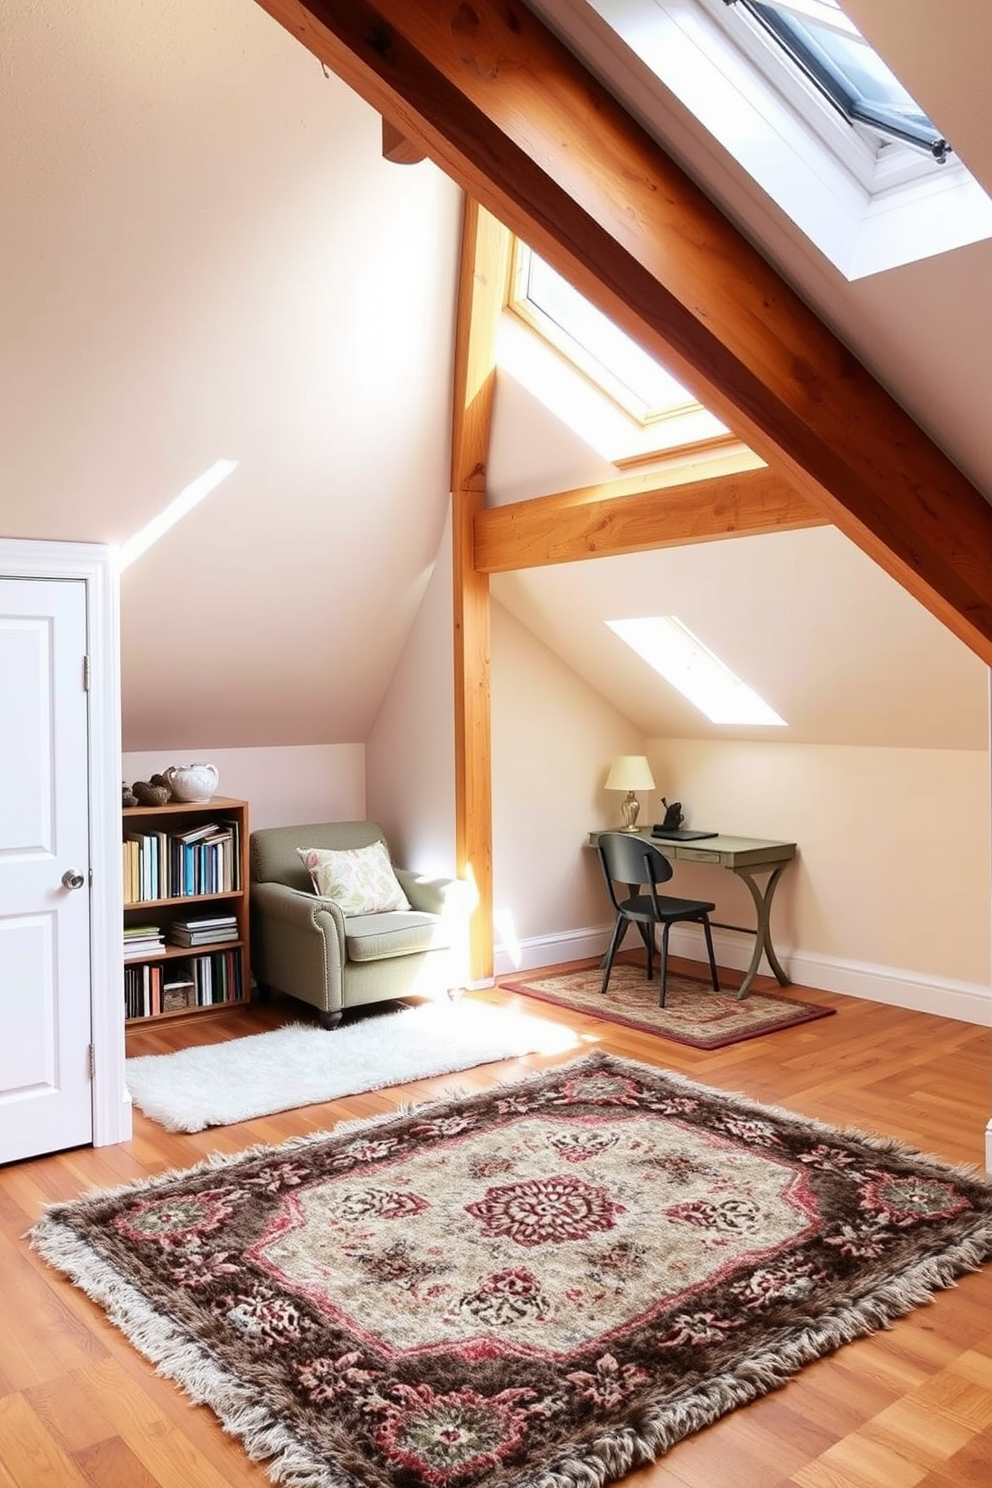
181 863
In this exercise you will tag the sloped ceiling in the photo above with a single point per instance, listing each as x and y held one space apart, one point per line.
204 255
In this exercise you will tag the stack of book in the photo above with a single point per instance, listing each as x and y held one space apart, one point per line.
142 941
203 930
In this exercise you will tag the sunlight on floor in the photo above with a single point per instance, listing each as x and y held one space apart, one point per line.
545 1036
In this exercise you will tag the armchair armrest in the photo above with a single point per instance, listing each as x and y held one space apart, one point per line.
440 896
298 943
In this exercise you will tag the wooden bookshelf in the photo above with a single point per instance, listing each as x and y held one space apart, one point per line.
180 862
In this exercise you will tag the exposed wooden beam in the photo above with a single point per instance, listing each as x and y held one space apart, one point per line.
482 274
397 148
481 284
512 116
603 522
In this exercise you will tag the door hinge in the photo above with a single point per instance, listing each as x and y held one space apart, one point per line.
91 1057
86 674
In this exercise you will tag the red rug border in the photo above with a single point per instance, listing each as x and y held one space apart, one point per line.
810 1013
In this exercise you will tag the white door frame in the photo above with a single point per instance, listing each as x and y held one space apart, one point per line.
94 564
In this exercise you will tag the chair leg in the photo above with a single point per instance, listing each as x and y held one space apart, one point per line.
618 930
647 935
664 964
709 946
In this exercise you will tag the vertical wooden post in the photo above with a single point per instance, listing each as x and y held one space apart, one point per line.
481 294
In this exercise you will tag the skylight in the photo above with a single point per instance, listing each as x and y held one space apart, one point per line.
670 647
828 48
592 342
798 99
590 373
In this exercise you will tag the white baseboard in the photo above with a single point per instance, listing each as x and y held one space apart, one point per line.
970 1002
551 950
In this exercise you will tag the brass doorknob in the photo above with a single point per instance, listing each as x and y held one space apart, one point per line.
71 879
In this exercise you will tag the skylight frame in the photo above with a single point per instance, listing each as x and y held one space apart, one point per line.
790 29
613 383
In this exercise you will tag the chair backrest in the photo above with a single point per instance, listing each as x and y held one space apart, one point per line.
274 858
630 859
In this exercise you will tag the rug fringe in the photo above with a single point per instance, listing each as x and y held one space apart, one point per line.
263 1436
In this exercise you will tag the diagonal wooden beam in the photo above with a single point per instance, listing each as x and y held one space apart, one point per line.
485 249
518 121
631 516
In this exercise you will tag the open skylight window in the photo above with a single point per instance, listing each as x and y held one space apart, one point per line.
591 374
818 38
683 660
868 199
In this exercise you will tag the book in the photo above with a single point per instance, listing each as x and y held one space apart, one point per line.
205 922
204 937
194 834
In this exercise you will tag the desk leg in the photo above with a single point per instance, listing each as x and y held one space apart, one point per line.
763 933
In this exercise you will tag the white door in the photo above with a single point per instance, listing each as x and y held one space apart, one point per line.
45 999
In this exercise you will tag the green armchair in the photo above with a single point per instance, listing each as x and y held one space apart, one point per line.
304 946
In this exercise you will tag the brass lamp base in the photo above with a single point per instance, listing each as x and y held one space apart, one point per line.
630 808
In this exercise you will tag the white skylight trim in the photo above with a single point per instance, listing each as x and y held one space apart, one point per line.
866 207
670 647
590 340
596 419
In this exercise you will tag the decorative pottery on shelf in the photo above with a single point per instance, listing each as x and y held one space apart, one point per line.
192 782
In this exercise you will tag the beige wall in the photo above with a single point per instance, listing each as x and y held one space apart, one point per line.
283 786
410 755
553 740
890 894
894 846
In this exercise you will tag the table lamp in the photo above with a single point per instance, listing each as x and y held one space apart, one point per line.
630 773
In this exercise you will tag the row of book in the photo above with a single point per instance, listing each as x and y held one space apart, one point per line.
206 859
207 980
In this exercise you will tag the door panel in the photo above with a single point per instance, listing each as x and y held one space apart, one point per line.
45 1008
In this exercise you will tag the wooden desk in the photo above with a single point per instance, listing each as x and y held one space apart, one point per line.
744 856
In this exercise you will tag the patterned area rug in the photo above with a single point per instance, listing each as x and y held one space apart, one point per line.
693 1013
544 1285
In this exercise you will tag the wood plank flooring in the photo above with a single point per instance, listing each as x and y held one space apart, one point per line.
908 1407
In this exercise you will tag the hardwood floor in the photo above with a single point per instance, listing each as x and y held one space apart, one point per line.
908 1407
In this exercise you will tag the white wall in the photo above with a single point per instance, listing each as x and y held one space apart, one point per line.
410 753
283 786
553 741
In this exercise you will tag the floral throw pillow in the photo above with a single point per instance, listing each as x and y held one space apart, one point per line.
360 880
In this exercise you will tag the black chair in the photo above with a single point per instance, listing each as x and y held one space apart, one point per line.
630 861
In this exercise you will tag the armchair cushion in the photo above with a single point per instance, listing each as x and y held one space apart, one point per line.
377 936
360 880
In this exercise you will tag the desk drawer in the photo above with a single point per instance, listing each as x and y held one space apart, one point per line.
698 855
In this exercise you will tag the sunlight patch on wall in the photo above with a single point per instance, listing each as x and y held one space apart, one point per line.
690 666
177 508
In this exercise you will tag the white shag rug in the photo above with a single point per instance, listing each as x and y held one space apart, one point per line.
303 1065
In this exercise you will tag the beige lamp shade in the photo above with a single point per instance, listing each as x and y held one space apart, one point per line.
630 773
